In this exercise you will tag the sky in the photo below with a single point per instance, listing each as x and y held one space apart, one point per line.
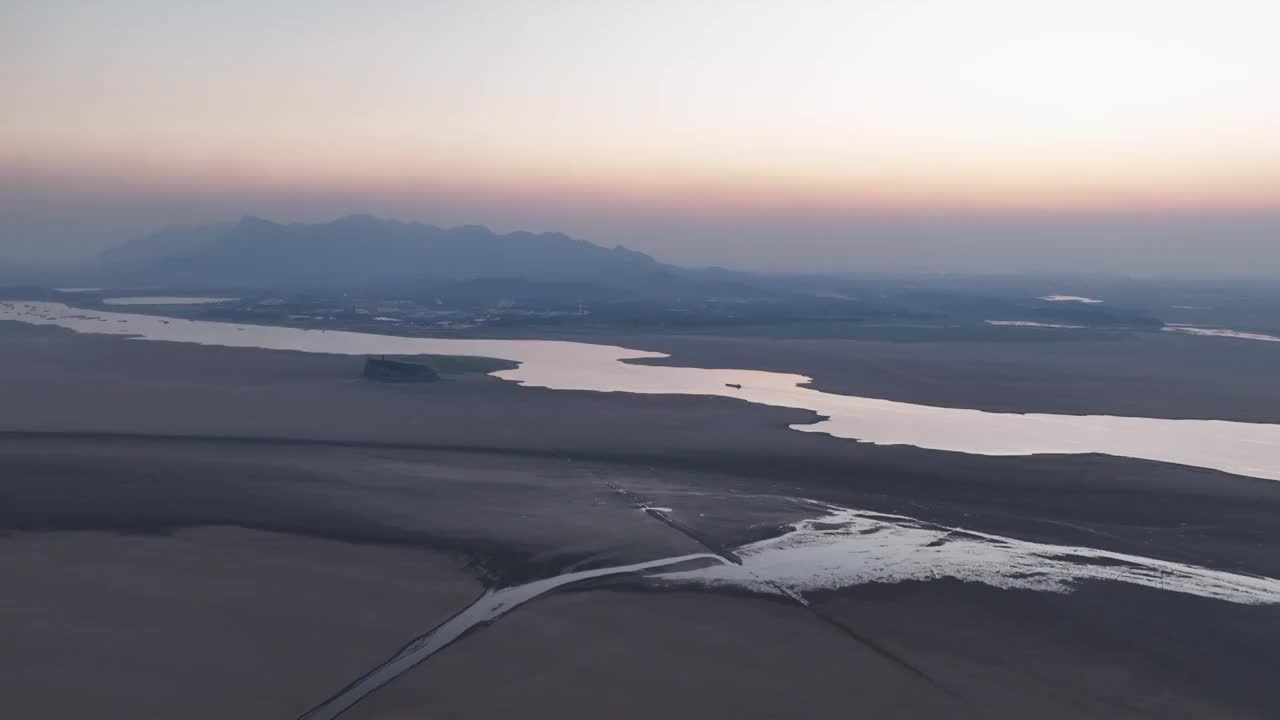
936 135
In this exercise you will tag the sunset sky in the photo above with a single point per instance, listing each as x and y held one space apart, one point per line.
737 132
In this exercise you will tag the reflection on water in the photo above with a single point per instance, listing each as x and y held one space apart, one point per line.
1243 448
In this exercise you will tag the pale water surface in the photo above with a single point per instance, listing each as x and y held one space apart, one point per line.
1251 449
1070 298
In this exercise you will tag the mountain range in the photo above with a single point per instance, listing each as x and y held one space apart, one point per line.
361 252
473 266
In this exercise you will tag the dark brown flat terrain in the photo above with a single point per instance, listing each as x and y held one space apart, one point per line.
212 532
205 623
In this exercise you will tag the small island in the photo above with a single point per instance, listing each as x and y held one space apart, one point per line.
429 368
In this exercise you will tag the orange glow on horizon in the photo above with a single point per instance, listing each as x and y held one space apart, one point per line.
985 106
1079 185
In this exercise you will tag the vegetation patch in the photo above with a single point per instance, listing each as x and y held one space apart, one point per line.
454 364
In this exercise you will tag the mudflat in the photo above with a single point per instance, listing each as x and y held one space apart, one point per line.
211 623
243 532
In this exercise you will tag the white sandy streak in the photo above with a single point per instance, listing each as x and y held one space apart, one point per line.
848 547
1218 332
1070 298
841 549
1029 323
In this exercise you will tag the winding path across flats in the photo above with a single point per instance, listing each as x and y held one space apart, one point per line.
485 610
843 548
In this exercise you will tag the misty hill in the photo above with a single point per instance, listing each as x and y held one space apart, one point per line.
361 252
473 268
168 243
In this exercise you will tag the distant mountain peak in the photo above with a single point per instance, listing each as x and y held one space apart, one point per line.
362 220
473 231
364 251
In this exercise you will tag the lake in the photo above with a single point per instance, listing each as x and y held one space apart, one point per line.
1251 449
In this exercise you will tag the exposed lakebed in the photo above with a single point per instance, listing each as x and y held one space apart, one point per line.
1251 449
165 300
842 548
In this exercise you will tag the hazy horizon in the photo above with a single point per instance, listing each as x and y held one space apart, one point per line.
993 136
